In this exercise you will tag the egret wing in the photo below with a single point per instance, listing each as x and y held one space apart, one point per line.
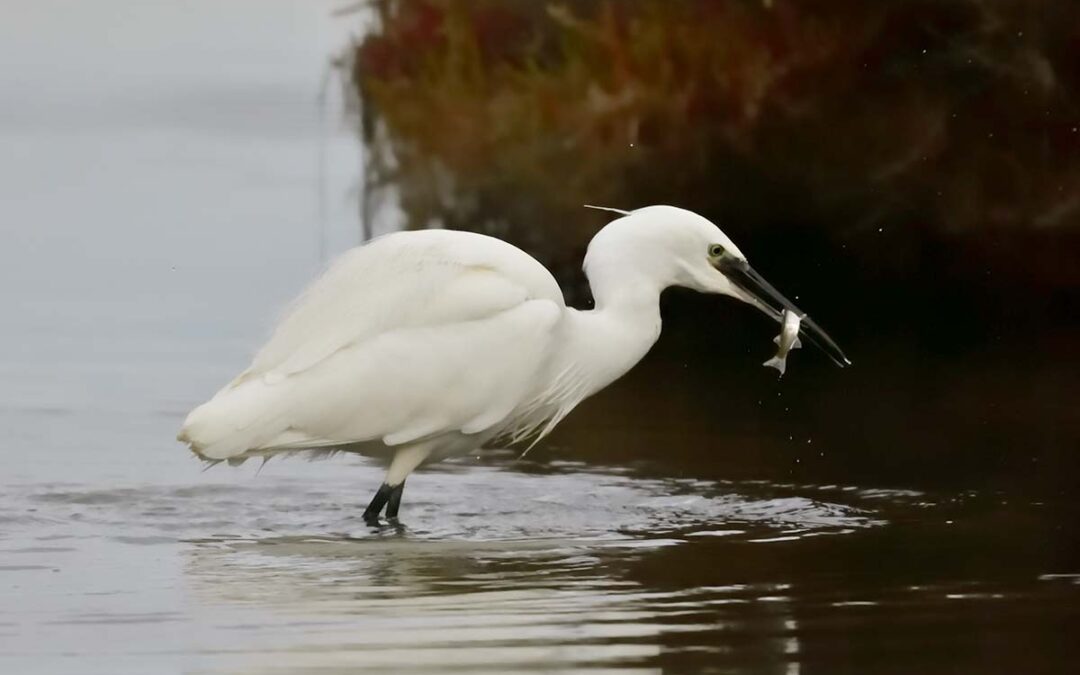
409 384
402 280
415 334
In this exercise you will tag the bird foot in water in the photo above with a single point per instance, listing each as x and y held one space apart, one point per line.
388 496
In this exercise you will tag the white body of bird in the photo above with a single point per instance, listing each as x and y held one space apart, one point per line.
423 345
787 340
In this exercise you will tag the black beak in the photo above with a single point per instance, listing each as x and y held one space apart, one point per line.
762 295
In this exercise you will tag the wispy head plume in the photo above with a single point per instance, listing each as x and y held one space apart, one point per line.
607 208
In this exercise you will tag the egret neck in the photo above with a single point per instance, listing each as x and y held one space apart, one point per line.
607 341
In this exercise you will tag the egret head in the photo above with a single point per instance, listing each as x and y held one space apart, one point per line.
670 246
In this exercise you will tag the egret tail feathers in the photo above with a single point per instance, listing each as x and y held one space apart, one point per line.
236 420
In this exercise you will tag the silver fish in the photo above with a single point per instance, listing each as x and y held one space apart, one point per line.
787 340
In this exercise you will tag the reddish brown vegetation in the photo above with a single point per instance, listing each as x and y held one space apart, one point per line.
940 117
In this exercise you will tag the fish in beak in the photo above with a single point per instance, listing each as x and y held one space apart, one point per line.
761 294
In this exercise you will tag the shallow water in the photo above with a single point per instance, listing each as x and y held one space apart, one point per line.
504 564
148 244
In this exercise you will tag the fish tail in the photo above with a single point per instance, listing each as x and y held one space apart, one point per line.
778 363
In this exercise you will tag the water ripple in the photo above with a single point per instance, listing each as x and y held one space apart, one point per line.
477 505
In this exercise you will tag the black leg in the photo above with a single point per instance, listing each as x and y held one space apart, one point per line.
395 500
371 513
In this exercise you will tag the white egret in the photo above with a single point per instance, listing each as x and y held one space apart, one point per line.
424 345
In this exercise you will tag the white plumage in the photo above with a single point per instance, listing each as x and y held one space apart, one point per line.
427 344
362 356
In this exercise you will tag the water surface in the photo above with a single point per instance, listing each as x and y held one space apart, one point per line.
505 565
148 242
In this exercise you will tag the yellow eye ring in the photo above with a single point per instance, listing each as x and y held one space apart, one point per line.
716 250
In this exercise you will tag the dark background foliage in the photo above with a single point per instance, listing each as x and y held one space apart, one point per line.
908 169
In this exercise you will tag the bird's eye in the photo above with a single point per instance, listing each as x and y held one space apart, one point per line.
716 250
